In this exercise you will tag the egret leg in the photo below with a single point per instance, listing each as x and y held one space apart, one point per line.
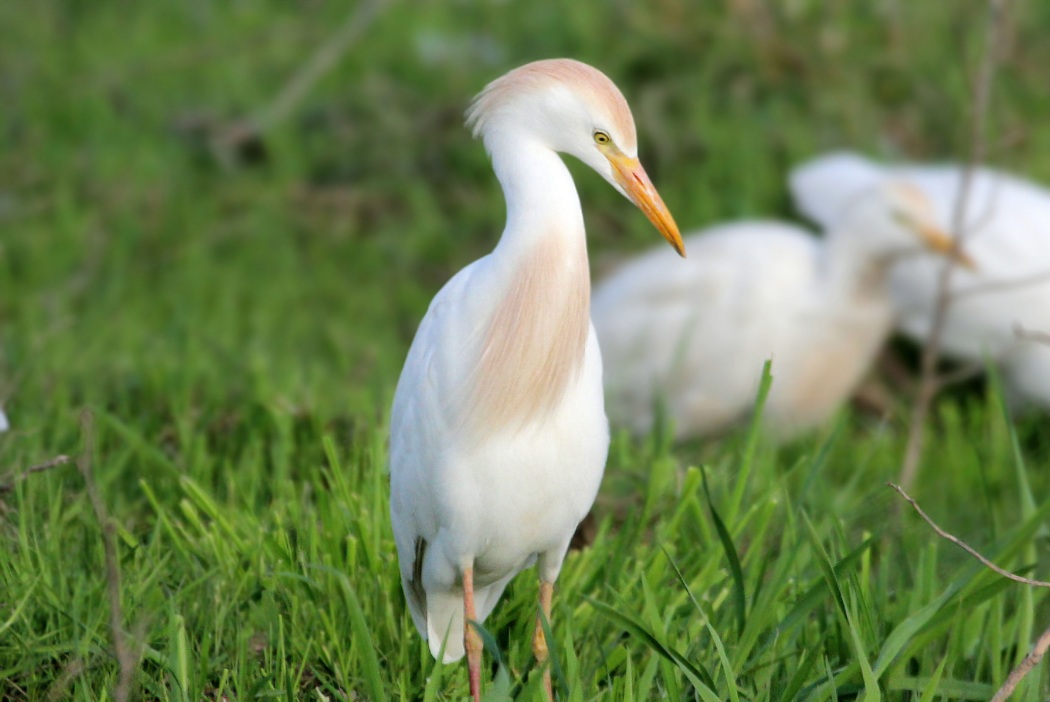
539 641
471 638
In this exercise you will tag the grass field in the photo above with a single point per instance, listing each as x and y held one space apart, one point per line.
219 342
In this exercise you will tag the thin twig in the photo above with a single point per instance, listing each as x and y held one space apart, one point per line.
127 659
39 468
1042 643
959 375
242 140
997 286
965 546
1024 667
319 63
1028 335
58 689
979 107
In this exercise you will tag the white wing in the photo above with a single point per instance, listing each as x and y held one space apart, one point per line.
420 440
695 335
823 186
1007 225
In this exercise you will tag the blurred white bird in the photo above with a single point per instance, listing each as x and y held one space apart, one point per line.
1007 229
498 435
4 426
693 338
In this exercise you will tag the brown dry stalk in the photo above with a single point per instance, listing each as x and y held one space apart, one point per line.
997 286
1017 674
39 468
1042 643
929 383
1029 335
127 657
318 63
963 545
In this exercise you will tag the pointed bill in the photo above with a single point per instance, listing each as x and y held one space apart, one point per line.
635 182
937 240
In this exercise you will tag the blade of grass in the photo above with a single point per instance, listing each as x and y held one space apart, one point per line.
697 676
739 592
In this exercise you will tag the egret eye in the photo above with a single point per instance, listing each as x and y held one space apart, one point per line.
601 138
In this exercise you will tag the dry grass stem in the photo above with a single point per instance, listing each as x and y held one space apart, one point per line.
1023 668
1042 643
319 63
1028 335
963 545
59 689
979 108
127 658
39 468
1003 285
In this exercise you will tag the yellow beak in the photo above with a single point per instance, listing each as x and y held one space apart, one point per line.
937 240
634 180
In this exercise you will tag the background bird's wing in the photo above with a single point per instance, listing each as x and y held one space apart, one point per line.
822 187
1007 224
693 335
1007 232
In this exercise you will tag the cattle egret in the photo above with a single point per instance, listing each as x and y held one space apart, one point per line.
1007 229
498 435
754 291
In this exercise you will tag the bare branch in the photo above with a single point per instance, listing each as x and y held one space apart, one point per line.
58 689
319 63
1028 335
233 142
996 286
965 546
40 468
1024 667
959 375
1042 643
979 107
127 659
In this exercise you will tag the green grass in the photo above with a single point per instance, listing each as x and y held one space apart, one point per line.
228 339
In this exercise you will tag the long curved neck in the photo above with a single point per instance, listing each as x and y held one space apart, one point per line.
543 207
534 342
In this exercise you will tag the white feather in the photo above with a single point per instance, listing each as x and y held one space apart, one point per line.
1007 228
694 337
498 435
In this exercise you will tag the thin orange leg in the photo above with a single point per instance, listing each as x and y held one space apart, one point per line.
539 641
471 638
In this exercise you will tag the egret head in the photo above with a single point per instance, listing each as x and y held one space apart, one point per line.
898 219
571 108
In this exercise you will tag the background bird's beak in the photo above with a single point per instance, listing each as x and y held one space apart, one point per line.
940 242
635 182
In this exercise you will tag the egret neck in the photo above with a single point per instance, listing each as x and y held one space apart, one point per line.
533 344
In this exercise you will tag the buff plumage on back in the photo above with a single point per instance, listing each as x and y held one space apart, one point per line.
585 82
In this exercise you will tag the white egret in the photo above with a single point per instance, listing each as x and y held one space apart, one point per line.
694 338
498 435
1007 229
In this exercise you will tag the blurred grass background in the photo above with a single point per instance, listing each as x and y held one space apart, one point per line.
236 327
